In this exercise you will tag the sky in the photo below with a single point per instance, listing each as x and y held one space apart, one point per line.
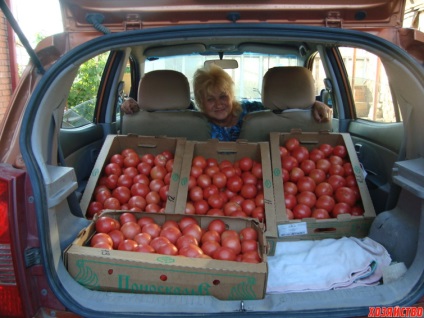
37 17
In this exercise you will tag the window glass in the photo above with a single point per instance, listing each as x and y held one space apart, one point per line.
370 86
248 76
82 97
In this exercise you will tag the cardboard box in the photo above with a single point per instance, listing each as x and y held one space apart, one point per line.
231 151
142 145
133 272
344 225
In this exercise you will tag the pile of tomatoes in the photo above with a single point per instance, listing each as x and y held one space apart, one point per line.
184 237
318 183
134 182
226 188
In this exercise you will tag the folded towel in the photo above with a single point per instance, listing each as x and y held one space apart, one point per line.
326 264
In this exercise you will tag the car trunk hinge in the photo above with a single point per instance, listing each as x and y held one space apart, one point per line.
15 26
32 256
333 20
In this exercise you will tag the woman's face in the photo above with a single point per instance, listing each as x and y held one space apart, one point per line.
218 106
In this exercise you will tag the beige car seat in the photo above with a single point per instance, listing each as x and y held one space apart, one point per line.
288 94
164 98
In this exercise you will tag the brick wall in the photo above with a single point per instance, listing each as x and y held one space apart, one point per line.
5 75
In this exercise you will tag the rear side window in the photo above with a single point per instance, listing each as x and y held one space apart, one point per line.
370 86
83 94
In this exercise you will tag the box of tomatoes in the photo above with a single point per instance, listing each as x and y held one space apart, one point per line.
228 179
174 254
139 173
319 186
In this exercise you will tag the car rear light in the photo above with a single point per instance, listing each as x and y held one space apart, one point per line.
10 299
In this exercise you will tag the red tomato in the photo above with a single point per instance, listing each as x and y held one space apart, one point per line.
201 207
142 238
296 173
229 171
93 208
112 204
130 229
131 160
346 195
219 179
212 162
290 188
231 207
127 151
257 170
245 164
289 214
210 235
248 191
127 245
186 240
169 166
211 170
323 164
130 171
248 206
336 160
189 209
234 184
306 184
144 168
259 213
216 201
357 210
196 194
327 149
289 162
191 182
125 180
225 163
141 178
325 202
160 160
290 200
193 229
232 242
117 237
341 208
158 172
300 153
217 225
148 158
152 197
209 247
145 220
153 207
156 184
307 166
291 144
168 154
283 151
340 151
168 249
320 214
237 198
139 189
185 221
248 233
172 233
317 175
199 161
336 181
190 250
323 188
301 211
151 228
163 192
123 194
159 241
138 202
111 182
127 217
209 191
251 257
248 246
351 181
225 254
316 154
144 248
101 238
117 158
348 168
204 181
259 200
102 195
113 168
215 212
336 169
307 198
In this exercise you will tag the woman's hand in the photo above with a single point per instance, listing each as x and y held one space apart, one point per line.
321 112
130 106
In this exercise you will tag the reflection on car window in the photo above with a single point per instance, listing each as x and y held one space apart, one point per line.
82 96
370 86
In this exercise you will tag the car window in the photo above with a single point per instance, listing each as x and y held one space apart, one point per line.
370 86
83 94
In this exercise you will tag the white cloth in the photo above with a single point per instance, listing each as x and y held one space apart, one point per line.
326 264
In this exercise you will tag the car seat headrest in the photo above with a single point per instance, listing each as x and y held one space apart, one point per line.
164 90
288 87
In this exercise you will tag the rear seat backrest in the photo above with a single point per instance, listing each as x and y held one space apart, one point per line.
164 98
287 95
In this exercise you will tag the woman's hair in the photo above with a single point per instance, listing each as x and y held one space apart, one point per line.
208 79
